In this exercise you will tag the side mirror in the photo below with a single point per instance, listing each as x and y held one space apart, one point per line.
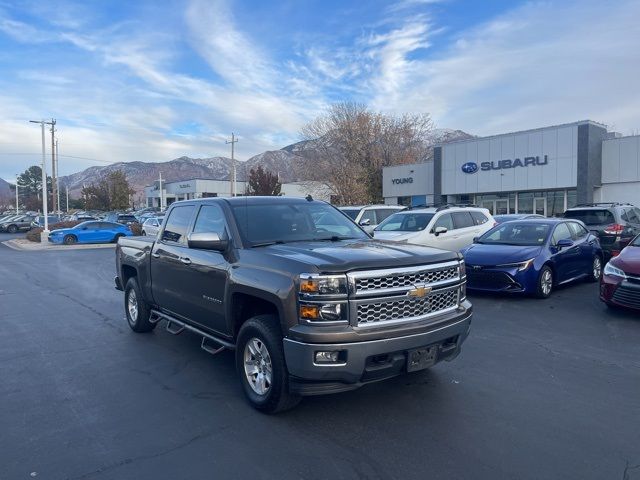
439 230
564 243
207 241
366 222
475 239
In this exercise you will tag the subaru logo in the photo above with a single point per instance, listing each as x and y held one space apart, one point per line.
470 167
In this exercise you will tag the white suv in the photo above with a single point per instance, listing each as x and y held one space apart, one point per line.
368 216
448 227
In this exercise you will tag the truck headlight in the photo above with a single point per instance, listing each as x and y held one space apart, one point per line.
315 285
323 312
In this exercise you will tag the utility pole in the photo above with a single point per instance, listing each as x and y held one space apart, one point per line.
17 194
45 209
233 141
57 187
54 174
161 194
67 188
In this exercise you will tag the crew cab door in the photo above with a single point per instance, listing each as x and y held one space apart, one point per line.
208 273
170 265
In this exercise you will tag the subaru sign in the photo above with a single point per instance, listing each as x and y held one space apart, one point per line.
470 167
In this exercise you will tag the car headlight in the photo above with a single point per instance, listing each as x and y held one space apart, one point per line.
323 299
521 266
614 271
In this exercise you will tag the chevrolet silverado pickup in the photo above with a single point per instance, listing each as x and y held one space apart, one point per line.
309 302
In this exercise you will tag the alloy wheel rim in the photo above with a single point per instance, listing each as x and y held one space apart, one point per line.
597 268
132 306
257 366
546 282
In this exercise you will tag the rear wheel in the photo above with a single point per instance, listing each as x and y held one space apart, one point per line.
137 310
596 269
12 229
261 365
69 239
545 283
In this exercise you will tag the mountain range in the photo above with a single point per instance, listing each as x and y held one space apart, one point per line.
286 162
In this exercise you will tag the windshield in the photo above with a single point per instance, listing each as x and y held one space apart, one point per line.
351 212
592 217
520 233
293 222
405 222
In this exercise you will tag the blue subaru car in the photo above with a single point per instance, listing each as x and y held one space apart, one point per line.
532 256
90 232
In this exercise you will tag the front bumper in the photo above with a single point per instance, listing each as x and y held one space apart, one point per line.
621 293
502 280
368 361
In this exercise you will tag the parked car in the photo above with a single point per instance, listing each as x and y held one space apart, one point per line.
615 224
620 283
90 232
151 226
38 222
447 227
19 223
516 216
308 310
533 256
127 219
368 216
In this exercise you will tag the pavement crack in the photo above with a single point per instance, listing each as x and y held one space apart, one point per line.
627 469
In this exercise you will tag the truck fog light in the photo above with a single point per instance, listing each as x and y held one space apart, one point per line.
330 311
327 357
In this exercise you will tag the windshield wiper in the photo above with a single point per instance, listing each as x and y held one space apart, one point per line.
334 238
266 244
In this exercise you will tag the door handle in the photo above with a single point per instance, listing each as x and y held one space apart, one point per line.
185 260
155 255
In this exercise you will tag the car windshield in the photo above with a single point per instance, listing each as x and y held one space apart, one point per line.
592 217
517 233
351 212
262 224
405 222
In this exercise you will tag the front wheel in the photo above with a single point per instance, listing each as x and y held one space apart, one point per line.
137 310
69 239
596 269
261 365
545 283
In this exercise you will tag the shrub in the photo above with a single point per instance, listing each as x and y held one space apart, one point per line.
136 229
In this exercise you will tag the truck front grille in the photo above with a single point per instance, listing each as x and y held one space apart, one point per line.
390 296
405 309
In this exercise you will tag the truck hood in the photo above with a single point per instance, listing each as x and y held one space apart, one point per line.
489 255
346 255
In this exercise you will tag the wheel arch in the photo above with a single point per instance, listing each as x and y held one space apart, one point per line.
248 303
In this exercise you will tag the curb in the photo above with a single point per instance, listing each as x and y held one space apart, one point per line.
29 246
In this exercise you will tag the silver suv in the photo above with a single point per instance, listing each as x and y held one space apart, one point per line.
369 216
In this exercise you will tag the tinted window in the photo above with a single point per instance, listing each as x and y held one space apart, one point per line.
516 233
592 217
369 215
177 224
444 221
629 215
561 233
577 231
352 212
462 220
405 222
210 219
479 218
384 213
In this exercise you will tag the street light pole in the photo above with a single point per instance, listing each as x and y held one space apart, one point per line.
17 194
45 233
233 141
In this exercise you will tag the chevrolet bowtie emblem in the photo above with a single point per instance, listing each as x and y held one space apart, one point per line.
419 292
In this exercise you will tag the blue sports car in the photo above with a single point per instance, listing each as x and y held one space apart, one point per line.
532 256
90 232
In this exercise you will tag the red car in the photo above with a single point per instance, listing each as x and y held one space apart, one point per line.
620 282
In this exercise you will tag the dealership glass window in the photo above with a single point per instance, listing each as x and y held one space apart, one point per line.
555 203
525 202
404 201
572 198
418 200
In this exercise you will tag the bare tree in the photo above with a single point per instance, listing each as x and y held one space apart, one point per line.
349 146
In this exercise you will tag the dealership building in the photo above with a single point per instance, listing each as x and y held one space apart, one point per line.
544 170
203 188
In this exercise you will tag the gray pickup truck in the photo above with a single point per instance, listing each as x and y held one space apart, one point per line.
310 303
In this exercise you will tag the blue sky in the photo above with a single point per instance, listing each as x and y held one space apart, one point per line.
151 81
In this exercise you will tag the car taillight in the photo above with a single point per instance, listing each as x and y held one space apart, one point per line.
614 229
615 253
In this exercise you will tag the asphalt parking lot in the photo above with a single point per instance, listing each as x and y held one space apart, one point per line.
543 389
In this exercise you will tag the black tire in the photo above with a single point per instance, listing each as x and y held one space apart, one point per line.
140 323
265 329
12 229
69 239
543 287
596 271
